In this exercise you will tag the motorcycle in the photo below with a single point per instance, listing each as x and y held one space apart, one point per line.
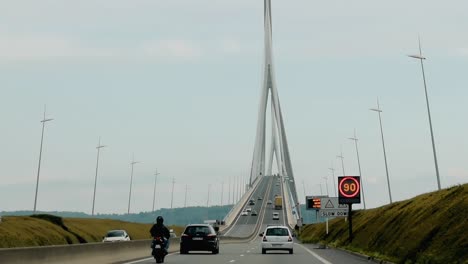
158 249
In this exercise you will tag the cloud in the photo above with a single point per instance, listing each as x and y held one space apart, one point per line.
46 47
27 47
230 46
463 51
178 49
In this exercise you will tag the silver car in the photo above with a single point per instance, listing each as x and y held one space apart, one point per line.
116 235
277 238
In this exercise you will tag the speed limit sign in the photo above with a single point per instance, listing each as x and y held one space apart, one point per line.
349 188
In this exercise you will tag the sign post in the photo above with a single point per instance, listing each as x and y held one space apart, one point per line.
314 203
349 188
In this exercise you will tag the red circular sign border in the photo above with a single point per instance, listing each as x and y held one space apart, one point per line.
357 189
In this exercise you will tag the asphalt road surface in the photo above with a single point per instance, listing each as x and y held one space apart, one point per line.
248 253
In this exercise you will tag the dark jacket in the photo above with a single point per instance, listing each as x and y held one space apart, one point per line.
159 230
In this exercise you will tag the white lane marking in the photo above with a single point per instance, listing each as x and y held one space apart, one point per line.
324 261
248 251
242 255
146 259
232 261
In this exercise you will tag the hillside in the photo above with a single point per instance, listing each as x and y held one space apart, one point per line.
175 216
42 230
430 228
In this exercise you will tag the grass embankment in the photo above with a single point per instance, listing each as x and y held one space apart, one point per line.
26 231
430 228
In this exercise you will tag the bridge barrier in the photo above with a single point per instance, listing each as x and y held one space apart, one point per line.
292 220
82 253
238 207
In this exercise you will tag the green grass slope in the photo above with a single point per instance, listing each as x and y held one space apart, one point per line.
42 230
430 228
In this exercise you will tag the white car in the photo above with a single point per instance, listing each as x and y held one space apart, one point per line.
275 216
248 209
244 213
277 238
116 235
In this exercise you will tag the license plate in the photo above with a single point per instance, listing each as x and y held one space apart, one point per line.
197 238
157 246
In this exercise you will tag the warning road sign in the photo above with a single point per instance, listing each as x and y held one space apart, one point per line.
331 203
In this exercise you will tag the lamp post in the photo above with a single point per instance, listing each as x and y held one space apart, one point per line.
208 199
172 193
229 190
131 183
359 166
342 162
43 121
185 199
326 184
421 58
154 192
303 188
334 180
222 192
99 147
379 111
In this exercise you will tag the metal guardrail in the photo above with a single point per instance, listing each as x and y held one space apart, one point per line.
235 210
82 253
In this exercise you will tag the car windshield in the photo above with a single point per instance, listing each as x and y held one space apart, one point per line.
277 232
115 234
197 230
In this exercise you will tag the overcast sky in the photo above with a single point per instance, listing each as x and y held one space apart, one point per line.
177 83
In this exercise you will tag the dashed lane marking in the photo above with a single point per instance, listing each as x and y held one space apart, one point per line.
324 261
146 259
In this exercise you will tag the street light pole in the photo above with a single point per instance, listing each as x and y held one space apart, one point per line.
154 192
303 188
43 121
359 166
185 199
131 183
421 58
208 199
342 162
222 192
326 185
99 146
229 190
172 193
379 111
334 180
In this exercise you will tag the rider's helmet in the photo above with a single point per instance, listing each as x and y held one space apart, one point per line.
159 220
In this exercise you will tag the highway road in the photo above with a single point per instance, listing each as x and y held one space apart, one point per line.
245 225
247 253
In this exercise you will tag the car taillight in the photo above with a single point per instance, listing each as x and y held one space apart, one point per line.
211 236
289 239
265 239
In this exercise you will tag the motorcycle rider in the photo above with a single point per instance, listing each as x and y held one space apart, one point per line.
160 230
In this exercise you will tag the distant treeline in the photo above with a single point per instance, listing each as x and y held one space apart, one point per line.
175 216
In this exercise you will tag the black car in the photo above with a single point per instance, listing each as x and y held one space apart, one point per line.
251 202
199 237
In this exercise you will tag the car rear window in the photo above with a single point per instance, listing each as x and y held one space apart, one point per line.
198 230
115 234
277 232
